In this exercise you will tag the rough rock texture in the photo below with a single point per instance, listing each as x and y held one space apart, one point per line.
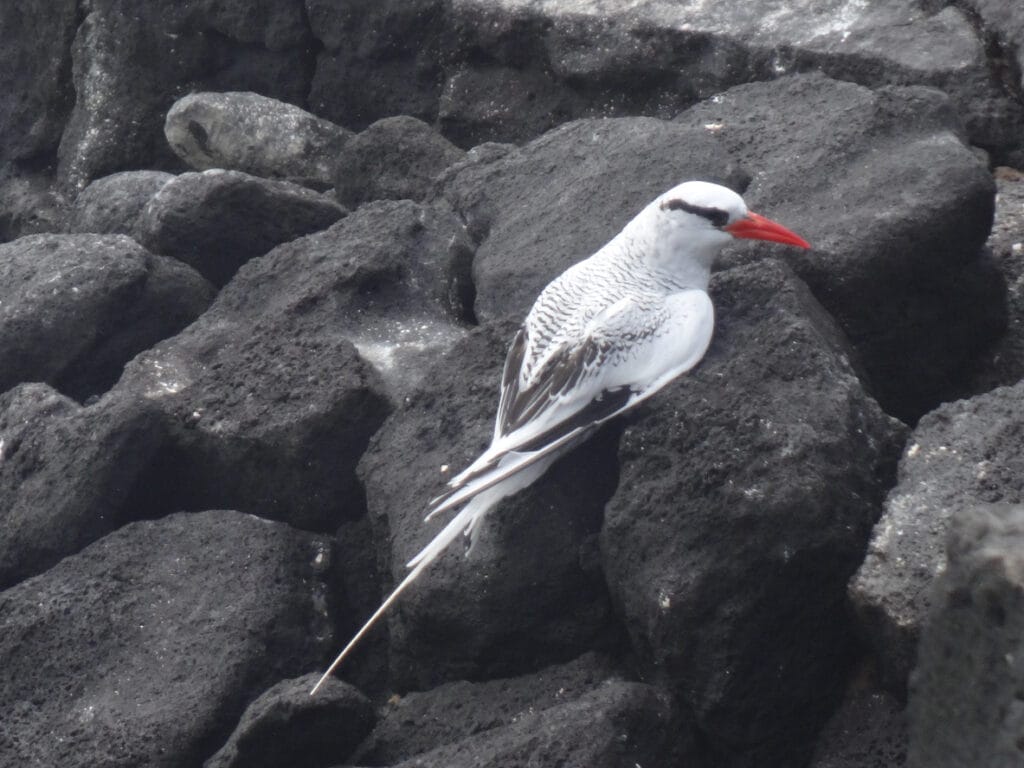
66 473
419 722
597 174
966 705
28 203
287 726
127 75
395 158
1004 20
35 76
220 604
1003 363
217 220
530 592
270 403
746 496
580 714
115 203
75 308
868 731
961 454
252 133
897 209
380 58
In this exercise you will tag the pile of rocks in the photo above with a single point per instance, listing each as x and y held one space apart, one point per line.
260 264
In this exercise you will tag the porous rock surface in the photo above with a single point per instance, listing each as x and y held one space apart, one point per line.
221 605
970 668
349 364
961 454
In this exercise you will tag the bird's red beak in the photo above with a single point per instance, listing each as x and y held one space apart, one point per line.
753 226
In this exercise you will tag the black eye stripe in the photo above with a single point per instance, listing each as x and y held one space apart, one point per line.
716 216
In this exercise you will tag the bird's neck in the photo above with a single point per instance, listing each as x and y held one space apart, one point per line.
674 257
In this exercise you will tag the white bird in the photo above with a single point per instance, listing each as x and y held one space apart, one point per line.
603 336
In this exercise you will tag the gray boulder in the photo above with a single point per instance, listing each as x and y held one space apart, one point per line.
961 454
746 494
115 203
868 731
217 220
965 701
539 209
396 158
287 726
255 134
531 592
897 209
581 714
122 96
274 393
144 648
35 77
67 473
76 308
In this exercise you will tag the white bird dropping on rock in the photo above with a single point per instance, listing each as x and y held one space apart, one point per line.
603 336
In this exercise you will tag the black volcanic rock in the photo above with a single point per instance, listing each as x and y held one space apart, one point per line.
144 648
580 714
66 473
255 134
287 726
868 731
35 77
379 58
396 158
541 208
965 700
133 59
897 209
115 203
960 455
76 308
274 393
531 591
217 220
747 493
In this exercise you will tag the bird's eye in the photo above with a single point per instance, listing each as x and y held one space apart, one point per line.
716 216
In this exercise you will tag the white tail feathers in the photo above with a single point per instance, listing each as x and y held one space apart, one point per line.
462 521
468 521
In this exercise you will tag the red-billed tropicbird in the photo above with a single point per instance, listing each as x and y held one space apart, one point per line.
603 336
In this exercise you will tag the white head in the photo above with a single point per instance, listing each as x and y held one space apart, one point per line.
693 221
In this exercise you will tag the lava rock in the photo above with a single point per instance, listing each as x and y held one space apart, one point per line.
580 714
394 159
592 59
746 496
961 454
217 220
287 726
144 648
77 307
270 402
122 97
115 203
531 591
421 721
28 203
1004 19
538 210
66 473
897 209
380 58
970 669
1002 364
35 77
252 133
869 731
